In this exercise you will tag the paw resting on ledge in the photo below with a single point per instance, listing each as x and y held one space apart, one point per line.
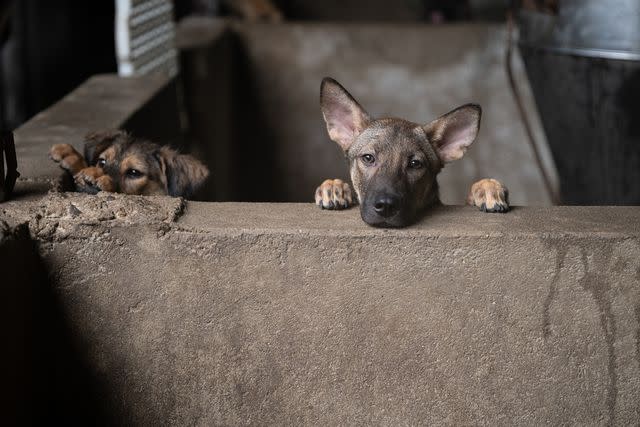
334 194
489 195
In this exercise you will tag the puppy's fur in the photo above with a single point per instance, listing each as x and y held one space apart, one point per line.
394 163
117 162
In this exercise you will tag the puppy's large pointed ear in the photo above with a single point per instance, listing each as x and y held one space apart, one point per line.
345 118
452 133
185 174
96 142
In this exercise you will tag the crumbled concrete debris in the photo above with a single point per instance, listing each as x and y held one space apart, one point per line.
124 209
57 215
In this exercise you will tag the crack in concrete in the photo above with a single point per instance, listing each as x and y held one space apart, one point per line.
637 312
598 286
561 253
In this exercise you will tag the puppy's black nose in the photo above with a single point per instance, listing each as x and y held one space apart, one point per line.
386 205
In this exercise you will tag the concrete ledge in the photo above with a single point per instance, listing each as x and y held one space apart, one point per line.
447 221
208 313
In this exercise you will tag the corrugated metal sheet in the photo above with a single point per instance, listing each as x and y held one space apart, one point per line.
145 34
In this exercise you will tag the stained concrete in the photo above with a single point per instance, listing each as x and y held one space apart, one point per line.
206 313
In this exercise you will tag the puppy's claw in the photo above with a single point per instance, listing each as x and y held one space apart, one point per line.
334 194
489 195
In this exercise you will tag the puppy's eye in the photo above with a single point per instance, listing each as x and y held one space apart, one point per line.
101 162
134 173
368 158
415 164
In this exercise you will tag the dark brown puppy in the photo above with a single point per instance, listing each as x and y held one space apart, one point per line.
394 163
117 162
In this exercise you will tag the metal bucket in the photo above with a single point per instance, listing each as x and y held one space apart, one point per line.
584 69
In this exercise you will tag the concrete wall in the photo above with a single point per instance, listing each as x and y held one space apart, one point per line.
271 314
413 71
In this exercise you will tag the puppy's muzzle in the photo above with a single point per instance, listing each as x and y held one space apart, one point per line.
386 205
385 209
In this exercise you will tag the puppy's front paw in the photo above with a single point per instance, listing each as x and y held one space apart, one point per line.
334 194
489 195
68 158
92 180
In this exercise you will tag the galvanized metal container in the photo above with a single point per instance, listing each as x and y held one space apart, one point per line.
584 68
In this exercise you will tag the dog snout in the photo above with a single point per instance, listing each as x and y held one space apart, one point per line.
386 205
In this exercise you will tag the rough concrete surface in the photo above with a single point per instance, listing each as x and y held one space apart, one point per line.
226 314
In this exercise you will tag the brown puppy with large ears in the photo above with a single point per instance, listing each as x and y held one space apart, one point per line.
393 163
117 162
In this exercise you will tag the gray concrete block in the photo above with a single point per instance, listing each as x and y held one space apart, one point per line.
285 314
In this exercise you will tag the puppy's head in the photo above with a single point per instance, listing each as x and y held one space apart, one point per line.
141 167
393 163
